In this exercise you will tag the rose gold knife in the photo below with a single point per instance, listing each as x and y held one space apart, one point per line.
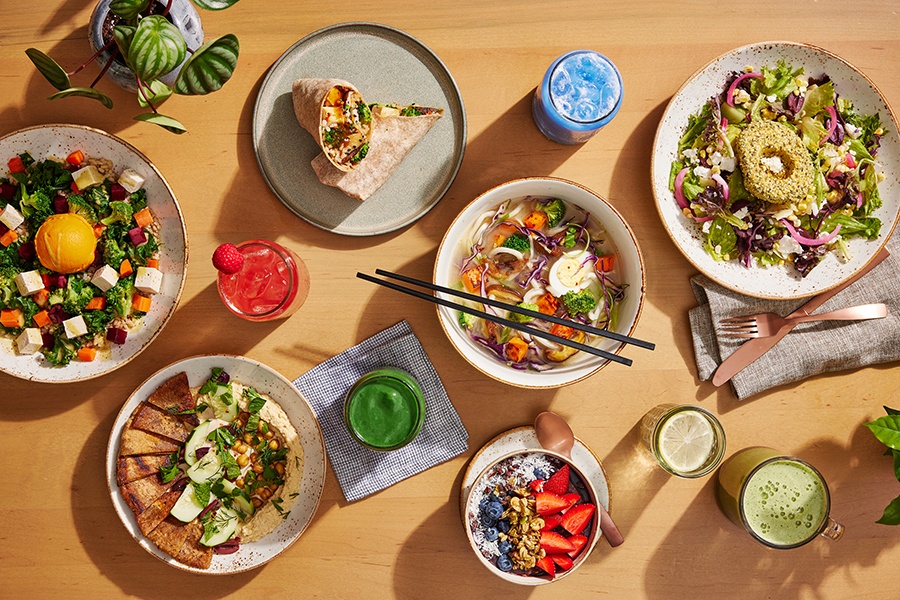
754 348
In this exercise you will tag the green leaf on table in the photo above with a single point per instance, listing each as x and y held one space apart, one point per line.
891 514
84 93
50 69
896 454
128 9
156 48
209 67
124 34
887 430
167 123
215 4
154 92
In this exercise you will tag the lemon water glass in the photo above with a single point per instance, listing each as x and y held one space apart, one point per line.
687 441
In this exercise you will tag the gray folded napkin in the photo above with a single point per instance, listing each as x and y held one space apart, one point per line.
361 471
809 349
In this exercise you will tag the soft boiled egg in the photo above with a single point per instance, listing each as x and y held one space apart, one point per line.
570 273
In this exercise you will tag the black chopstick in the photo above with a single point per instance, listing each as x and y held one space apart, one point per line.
519 310
500 320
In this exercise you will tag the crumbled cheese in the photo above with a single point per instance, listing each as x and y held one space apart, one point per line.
741 96
742 213
727 163
702 172
773 163
690 154
707 225
787 246
771 97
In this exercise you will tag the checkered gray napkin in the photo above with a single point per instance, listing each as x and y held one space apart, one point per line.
809 349
361 471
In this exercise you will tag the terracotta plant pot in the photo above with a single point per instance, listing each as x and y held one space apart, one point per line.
182 14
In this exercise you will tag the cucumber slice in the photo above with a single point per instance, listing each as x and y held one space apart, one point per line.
241 501
226 521
222 401
206 468
187 507
197 439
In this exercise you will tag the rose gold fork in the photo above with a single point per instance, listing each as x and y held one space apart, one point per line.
766 324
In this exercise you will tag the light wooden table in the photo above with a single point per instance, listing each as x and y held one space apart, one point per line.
59 535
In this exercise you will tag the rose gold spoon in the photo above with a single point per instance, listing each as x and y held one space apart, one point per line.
554 434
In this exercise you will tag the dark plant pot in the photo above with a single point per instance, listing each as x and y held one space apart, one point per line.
182 14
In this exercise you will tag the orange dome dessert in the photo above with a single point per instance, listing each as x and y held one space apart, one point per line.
65 243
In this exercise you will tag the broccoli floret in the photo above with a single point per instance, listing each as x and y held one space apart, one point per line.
119 296
466 321
78 293
99 197
579 302
524 318
361 154
331 137
138 255
121 212
61 354
555 210
365 115
36 207
113 254
80 206
8 289
517 241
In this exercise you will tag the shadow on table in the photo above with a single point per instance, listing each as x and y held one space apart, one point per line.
704 546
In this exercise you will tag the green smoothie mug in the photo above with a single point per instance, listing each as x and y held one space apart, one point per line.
782 501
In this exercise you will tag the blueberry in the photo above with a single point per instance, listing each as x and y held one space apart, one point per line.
505 547
482 504
487 520
490 534
494 509
539 474
503 525
504 563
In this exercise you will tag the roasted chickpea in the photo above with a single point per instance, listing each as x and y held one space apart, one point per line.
257 503
273 444
242 460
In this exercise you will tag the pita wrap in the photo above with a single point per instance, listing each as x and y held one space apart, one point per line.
333 112
393 136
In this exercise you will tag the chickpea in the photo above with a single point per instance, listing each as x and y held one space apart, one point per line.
279 468
257 503
262 427
272 488
239 482
265 493
248 438
269 435
273 444
242 460
238 447
258 468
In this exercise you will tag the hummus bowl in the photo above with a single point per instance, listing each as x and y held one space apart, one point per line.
271 529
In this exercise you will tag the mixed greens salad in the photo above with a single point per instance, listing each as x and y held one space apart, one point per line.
778 168
79 312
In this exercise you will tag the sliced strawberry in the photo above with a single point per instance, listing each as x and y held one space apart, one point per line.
578 541
547 565
554 543
576 518
558 482
571 499
537 485
562 561
551 522
550 504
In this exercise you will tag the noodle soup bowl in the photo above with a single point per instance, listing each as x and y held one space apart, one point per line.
628 273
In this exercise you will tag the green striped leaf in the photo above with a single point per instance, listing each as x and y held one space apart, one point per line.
128 9
215 4
167 123
123 35
50 69
157 93
156 48
84 93
209 67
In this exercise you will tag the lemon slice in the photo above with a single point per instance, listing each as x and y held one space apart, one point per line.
686 441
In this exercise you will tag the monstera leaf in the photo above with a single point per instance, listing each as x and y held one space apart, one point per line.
156 48
50 69
215 4
209 67
128 9
153 92
84 93
167 123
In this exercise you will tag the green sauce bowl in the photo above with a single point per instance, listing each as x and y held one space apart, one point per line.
385 409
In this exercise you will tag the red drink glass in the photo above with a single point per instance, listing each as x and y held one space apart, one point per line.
272 284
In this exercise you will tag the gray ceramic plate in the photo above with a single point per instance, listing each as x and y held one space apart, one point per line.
386 65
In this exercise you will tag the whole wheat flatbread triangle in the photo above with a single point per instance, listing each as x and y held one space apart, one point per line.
392 139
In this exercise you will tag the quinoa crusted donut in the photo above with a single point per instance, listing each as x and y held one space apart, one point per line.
776 166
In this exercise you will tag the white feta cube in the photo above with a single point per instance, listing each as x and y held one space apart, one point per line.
11 217
148 280
75 327
131 180
87 177
29 341
29 282
105 278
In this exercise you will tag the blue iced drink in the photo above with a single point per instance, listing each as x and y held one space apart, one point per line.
580 93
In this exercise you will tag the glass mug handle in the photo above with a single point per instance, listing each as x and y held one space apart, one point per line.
833 530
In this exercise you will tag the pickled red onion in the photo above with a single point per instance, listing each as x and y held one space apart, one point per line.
802 239
859 199
729 97
833 126
679 194
721 181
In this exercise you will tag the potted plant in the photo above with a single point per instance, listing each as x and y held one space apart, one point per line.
151 46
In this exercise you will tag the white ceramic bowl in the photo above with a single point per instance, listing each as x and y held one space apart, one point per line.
630 266
59 140
777 282
265 380
471 514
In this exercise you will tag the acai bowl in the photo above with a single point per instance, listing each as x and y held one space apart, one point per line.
552 246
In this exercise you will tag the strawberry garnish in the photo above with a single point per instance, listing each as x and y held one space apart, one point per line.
554 543
550 504
537 485
570 499
228 259
562 561
576 518
558 482
547 565
578 541
551 522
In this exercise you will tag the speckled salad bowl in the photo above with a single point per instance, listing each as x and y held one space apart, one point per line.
630 269
44 141
777 282
471 515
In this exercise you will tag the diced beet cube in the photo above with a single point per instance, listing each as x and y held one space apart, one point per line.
60 204
57 314
48 340
223 377
26 251
116 335
3 229
7 191
138 237
98 258
59 280
117 192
